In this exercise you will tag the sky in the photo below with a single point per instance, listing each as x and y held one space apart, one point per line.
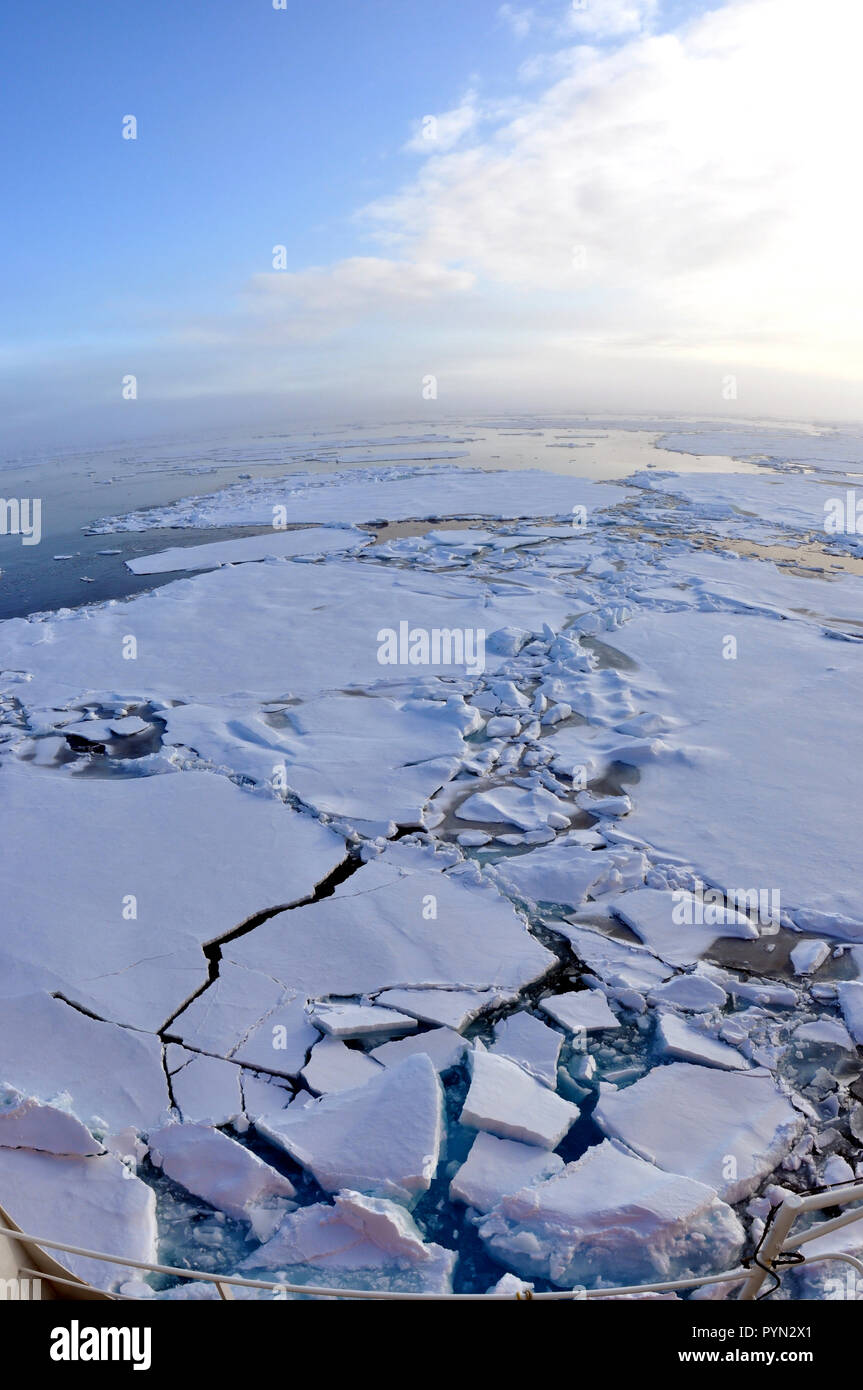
378 210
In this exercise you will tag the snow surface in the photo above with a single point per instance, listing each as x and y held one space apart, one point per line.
361 1242
222 1172
313 541
724 1128
496 1167
382 1138
93 1203
504 1100
171 969
611 1210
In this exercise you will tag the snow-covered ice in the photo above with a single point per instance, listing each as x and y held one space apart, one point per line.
504 1100
613 1218
93 1203
382 1138
358 1242
224 915
727 1129
310 541
222 1172
496 1167
531 1043
580 1011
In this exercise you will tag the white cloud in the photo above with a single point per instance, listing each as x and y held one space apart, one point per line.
609 18
668 209
442 132
519 21
698 190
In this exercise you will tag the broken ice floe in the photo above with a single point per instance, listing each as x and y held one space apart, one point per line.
727 1129
608 760
611 1210
382 1138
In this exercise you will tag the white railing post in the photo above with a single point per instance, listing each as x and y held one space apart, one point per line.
786 1215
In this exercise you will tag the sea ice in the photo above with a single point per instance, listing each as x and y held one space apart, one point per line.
382 1138
683 1042
215 1167
566 873
387 929
504 1100
528 808
443 1046
359 1020
580 1011
496 1167
311 541
612 1218
657 918
93 1203
25 1123
531 1043
851 1003
359 1242
197 856
724 1128
451 1008
693 807
206 1089
112 1076
809 956
333 1066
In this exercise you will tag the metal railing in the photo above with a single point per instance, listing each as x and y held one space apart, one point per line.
777 1250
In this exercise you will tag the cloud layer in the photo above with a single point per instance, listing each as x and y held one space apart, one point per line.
657 212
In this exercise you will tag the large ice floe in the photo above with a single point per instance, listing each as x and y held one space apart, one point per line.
462 905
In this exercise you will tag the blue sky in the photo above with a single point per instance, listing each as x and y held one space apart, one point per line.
302 127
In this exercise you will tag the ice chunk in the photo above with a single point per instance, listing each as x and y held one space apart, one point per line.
496 1167
222 1172
333 1066
684 1042
809 956
724 1128
359 1242
507 1102
113 1076
443 1046
131 724
695 993
531 1043
452 1008
94 1203
565 872
382 1138
615 962
262 1094
206 1089
612 1218
313 541
825 1032
851 1003
526 807
583 1010
658 918
26 1123
359 1020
